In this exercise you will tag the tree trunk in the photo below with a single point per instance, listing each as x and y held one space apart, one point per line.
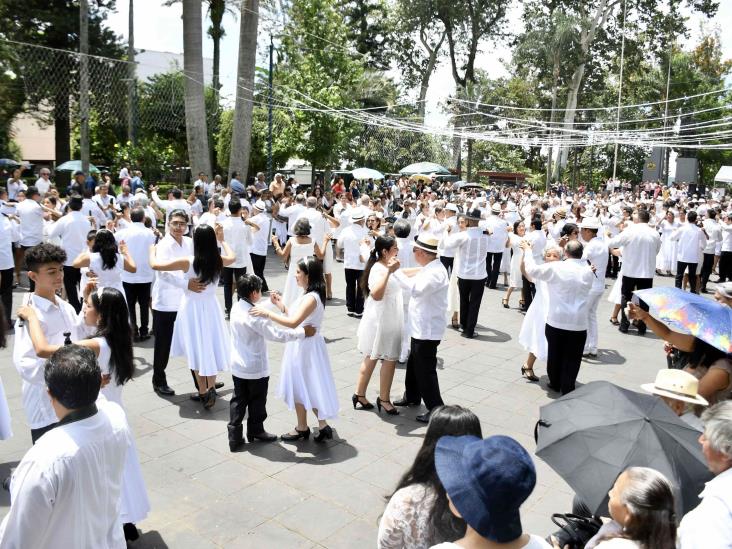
555 87
241 137
196 126
216 60
431 63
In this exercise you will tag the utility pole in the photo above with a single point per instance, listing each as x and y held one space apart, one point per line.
84 83
132 77
620 95
270 175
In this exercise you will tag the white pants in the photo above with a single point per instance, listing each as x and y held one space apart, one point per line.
593 300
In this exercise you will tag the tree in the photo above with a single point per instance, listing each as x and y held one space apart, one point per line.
196 126
11 90
367 21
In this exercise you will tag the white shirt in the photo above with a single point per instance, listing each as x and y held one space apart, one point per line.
55 320
138 239
91 208
72 229
714 234
9 233
691 242
66 491
499 233
249 335
124 174
30 214
292 213
260 238
43 185
239 237
444 235
535 542
538 244
169 286
569 285
709 524
471 247
428 300
350 240
319 226
726 229
13 187
170 205
640 244
596 252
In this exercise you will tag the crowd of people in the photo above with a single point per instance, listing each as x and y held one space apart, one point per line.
417 259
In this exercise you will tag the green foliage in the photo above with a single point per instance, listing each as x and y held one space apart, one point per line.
153 156
369 28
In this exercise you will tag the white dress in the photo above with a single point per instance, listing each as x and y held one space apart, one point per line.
200 333
380 330
532 336
107 278
297 252
134 503
5 424
615 296
453 292
666 258
306 376
514 277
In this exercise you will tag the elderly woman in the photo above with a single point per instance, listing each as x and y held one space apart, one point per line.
709 525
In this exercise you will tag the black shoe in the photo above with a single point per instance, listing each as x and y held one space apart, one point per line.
131 532
424 418
264 436
404 402
289 437
324 433
144 337
553 388
195 397
218 385
163 390
210 399
624 327
227 315
641 331
392 412
467 335
237 445
356 400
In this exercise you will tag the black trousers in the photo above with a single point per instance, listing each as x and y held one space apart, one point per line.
163 323
258 263
564 356
37 433
613 266
230 275
528 291
706 270
471 294
6 291
354 296
421 381
492 267
72 279
725 267
251 395
626 294
448 263
138 293
691 267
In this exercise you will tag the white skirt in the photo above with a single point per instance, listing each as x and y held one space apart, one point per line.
380 330
615 295
532 336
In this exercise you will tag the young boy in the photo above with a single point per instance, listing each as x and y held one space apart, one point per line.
58 318
250 363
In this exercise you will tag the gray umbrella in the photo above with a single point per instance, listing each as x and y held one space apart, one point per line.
593 434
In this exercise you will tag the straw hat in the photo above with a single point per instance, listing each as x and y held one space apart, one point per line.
426 243
676 384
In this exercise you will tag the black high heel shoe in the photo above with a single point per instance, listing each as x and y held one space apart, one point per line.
392 412
289 437
356 399
210 399
325 432
530 376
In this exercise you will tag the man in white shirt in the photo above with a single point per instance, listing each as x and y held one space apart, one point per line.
250 363
66 490
538 240
177 203
31 216
569 284
351 240
9 234
105 201
260 241
596 254
713 231
709 525
124 173
498 231
137 285
238 235
293 212
691 243
72 229
43 183
319 227
470 246
428 285
640 244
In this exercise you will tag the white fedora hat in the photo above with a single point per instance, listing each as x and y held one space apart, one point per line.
590 223
676 384
426 243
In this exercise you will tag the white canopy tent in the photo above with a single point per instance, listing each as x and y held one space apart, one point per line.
724 175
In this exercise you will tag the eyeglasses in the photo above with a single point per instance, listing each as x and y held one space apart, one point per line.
177 223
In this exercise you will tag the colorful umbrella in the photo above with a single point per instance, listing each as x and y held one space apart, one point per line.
692 314
366 173
426 168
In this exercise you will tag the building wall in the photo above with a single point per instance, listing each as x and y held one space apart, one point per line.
36 141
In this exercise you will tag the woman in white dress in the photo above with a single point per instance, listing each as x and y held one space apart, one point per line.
306 381
666 259
200 333
107 261
532 337
514 279
106 313
297 247
380 330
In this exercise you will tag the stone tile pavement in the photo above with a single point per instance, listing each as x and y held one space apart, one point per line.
310 495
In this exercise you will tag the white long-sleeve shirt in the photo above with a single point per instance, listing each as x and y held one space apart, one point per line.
260 238
640 244
239 237
691 243
499 233
350 240
169 286
709 525
569 283
471 247
138 239
428 300
30 214
596 252
72 229
9 233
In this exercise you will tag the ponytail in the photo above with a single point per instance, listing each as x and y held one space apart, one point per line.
382 243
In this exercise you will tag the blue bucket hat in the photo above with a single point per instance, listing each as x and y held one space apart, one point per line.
487 481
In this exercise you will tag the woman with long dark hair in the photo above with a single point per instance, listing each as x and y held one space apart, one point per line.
380 330
306 381
107 260
105 312
200 333
418 513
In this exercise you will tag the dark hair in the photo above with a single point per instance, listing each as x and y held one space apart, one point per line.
516 224
114 326
248 284
43 254
91 235
313 267
445 420
382 244
402 228
703 354
574 249
31 191
73 376
137 215
568 229
536 223
106 246
691 216
644 216
234 206
207 262
178 213
301 227
176 192
75 203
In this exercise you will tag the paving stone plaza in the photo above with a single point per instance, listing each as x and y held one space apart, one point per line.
284 495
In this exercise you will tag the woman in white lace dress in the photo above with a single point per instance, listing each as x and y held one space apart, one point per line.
418 515
298 247
380 331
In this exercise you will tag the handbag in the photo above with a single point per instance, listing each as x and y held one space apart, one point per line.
575 530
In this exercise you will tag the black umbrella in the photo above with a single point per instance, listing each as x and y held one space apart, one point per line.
593 434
